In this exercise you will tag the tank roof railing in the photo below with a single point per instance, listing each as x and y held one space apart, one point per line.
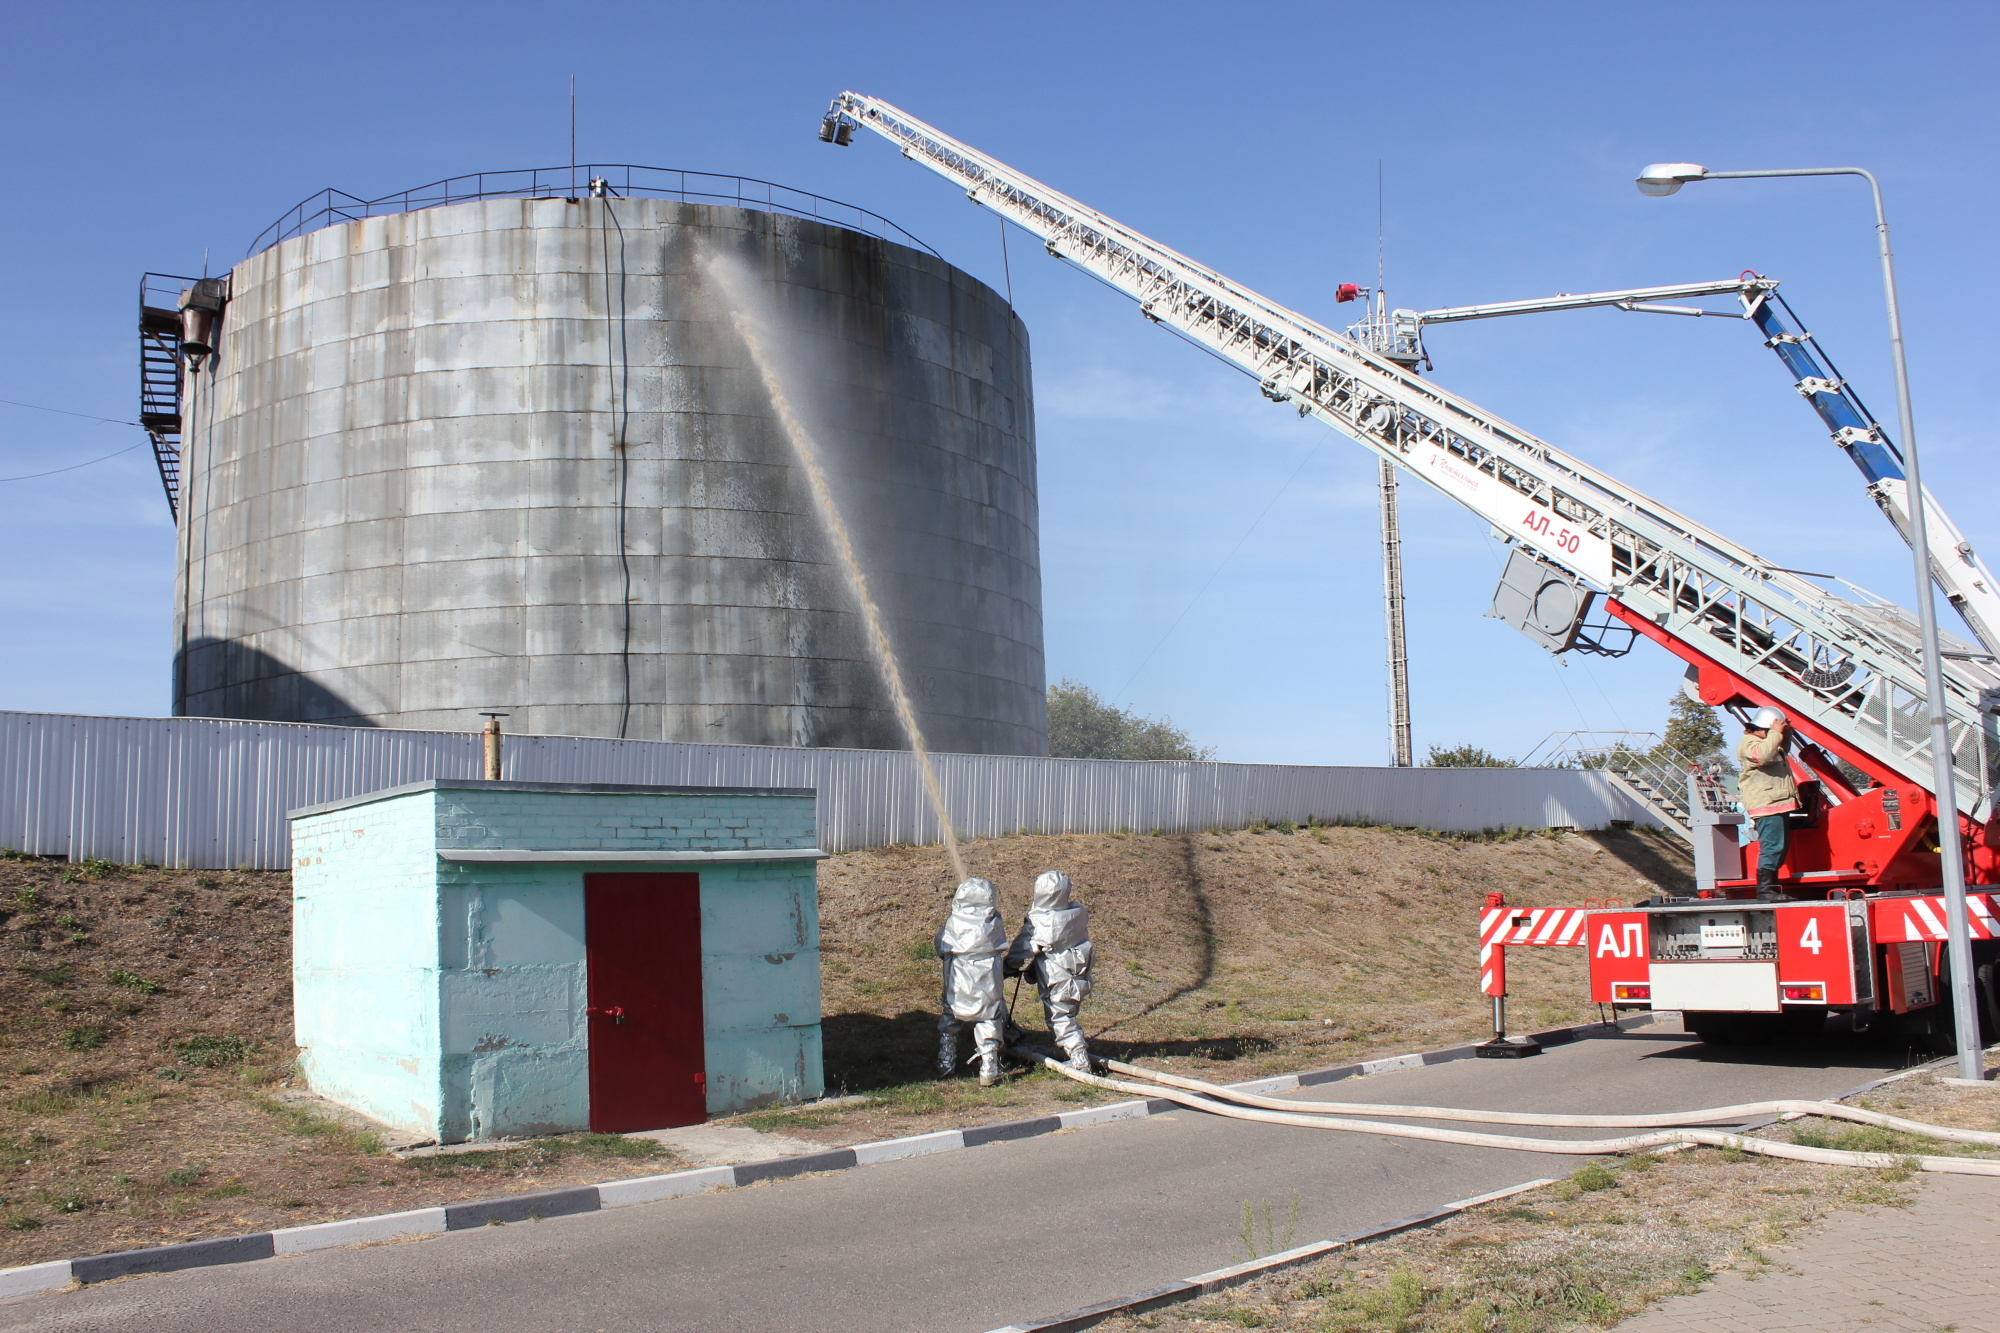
624 180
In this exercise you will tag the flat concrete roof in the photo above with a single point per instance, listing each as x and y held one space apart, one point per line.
585 788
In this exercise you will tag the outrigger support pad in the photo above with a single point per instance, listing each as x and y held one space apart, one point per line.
1503 1047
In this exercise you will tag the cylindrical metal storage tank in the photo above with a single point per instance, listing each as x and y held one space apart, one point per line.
513 455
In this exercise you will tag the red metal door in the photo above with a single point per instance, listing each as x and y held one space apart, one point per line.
642 945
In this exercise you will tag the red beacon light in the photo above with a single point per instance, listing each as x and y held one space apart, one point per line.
1347 291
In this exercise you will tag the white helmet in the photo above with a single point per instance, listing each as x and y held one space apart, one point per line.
1766 718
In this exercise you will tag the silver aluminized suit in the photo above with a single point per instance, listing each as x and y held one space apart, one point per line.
1053 947
969 950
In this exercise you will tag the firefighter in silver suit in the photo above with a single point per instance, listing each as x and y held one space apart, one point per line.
970 949
1053 949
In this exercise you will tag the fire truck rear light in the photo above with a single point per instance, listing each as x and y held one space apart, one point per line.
1813 993
1625 992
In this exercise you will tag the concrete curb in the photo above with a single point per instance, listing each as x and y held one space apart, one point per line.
61 1273
1207 1284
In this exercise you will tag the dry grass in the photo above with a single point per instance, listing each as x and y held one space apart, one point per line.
1603 1244
145 1015
1232 954
145 1020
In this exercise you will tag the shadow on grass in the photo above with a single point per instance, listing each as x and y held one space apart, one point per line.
1666 863
871 1052
1204 1048
1204 970
865 1052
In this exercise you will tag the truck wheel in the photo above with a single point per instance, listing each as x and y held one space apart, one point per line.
1986 989
1941 1034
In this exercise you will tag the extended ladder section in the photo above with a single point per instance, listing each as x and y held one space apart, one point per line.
1959 572
160 375
1849 675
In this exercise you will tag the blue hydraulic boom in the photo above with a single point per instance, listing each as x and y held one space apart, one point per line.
1960 574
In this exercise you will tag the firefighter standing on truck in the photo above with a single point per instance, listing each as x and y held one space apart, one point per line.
1767 792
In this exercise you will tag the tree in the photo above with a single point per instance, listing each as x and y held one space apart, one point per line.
1464 756
1083 726
1694 731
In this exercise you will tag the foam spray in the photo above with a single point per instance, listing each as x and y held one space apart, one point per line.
728 276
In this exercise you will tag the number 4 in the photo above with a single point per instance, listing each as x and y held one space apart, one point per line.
1809 938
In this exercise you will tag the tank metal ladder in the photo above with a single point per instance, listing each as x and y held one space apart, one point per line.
160 375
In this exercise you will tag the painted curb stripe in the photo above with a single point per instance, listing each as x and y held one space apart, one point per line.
173 1258
648 1189
36 1278
358 1231
1105 1115
919 1145
1009 1130
522 1207
836 1159
1207 1284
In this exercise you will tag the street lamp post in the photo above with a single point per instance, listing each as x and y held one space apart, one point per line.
1664 178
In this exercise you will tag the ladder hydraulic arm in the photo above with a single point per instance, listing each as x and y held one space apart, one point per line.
1960 574
1849 676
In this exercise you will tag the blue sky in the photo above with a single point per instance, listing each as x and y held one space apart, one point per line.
1205 554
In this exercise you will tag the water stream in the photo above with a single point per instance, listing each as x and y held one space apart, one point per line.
742 299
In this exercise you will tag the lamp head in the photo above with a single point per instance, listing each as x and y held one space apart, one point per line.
1663 178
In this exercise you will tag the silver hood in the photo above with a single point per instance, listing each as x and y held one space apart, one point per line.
974 925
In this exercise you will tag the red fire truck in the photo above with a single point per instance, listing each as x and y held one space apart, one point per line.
1859 929
1856 923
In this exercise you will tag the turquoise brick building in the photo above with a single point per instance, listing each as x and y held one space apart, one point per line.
474 960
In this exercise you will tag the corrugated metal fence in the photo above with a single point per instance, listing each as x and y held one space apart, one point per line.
213 793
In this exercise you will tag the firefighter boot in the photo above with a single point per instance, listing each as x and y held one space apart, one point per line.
989 1069
1079 1056
947 1056
1767 886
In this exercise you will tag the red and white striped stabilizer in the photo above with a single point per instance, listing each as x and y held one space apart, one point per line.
1502 926
1914 920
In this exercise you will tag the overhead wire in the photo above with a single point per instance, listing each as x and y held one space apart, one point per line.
87 416
1006 266
115 421
30 476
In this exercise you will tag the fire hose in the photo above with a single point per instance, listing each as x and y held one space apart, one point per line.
1219 1100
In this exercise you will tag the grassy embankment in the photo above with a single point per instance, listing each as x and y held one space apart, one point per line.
145 1024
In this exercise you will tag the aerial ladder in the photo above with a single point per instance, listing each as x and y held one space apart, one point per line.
1860 884
1959 572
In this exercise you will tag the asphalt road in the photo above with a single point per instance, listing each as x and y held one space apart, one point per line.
960 1242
